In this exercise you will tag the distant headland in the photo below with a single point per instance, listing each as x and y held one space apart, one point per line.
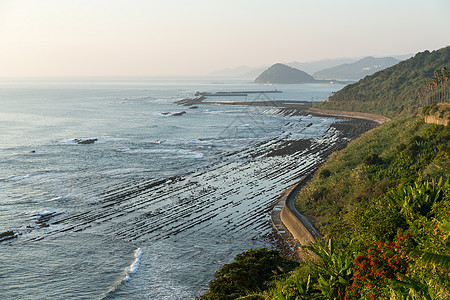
283 74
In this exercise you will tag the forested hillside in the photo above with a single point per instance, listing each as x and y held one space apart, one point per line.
394 90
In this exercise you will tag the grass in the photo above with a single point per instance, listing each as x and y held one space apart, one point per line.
349 177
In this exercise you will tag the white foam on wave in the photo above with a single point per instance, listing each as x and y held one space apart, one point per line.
179 152
54 199
69 141
134 267
186 141
122 171
17 177
199 155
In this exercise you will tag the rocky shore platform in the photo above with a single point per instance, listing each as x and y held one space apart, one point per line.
292 229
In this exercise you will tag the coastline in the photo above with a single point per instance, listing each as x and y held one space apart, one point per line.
291 226
349 114
301 107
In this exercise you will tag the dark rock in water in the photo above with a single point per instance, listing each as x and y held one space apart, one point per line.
179 113
190 101
43 219
84 142
33 151
193 107
7 235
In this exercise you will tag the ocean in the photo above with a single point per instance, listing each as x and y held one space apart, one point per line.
156 197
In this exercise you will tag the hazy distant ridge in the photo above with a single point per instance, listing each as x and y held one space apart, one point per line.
308 67
312 67
357 70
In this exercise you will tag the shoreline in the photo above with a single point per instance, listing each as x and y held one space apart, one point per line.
349 114
293 228
300 106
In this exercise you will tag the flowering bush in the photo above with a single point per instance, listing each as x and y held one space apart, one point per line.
372 271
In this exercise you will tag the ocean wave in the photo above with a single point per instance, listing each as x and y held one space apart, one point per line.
16 177
54 199
130 270
40 177
201 141
134 267
182 153
162 100
122 171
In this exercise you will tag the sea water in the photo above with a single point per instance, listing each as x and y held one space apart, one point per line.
158 202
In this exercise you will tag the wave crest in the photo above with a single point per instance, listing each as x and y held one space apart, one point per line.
134 267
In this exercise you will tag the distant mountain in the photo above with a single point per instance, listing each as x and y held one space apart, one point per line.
393 90
279 73
357 70
311 67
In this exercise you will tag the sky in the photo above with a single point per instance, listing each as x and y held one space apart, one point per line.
50 38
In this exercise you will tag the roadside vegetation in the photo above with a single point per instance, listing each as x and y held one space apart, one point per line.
396 153
383 204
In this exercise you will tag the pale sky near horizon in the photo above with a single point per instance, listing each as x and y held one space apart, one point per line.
196 37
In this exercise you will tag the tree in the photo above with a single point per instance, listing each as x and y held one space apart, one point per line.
250 271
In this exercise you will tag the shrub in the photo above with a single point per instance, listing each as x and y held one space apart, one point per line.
373 270
325 173
250 271
373 159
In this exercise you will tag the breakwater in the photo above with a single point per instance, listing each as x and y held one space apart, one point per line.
235 93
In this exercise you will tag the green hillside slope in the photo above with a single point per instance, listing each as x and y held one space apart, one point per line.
391 91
